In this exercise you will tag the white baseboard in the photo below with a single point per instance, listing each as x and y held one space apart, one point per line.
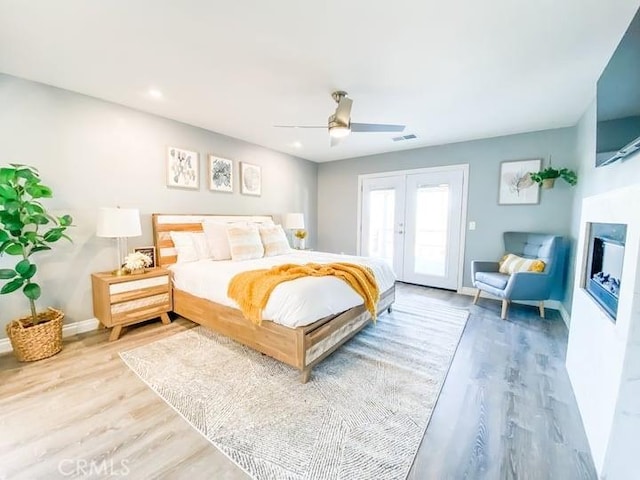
67 331
566 316
553 304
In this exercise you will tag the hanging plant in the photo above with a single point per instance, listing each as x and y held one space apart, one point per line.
547 176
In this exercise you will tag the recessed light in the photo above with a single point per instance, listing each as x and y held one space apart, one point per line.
296 145
155 93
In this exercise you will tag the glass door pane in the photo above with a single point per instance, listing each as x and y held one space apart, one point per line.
382 220
432 240
381 226
432 227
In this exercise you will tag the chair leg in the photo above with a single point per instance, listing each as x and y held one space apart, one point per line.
541 307
476 297
505 307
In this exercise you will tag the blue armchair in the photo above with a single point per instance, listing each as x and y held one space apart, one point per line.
522 285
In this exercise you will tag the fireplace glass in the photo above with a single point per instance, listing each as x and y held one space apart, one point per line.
604 264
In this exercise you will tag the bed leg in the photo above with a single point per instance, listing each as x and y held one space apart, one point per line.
305 375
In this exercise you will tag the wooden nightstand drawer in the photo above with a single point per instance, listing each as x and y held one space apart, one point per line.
125 300
148 307
133 294
139 284
152 300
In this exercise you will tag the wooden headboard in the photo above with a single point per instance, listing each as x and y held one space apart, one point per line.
163 223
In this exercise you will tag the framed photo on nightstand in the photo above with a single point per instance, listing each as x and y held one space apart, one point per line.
150 251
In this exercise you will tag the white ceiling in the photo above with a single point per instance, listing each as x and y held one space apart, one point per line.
451 71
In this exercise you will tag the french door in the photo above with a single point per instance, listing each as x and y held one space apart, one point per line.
414 221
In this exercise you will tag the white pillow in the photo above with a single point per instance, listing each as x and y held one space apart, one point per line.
185 248
216 235
201 245
245 242
190 246
274 240
217 239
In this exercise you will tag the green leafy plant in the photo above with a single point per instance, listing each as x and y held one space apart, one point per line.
567 175
26 228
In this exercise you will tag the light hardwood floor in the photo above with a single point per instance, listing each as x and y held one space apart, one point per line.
506 411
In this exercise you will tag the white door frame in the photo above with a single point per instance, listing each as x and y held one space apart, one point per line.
463 167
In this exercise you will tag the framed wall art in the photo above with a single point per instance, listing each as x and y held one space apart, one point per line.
220 174
250 179
182 168
151 251
515 184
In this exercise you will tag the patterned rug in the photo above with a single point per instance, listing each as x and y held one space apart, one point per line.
361 416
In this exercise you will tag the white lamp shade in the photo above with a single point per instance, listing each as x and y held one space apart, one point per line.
118 222
293 221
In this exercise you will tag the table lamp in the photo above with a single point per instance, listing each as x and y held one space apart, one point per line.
119 223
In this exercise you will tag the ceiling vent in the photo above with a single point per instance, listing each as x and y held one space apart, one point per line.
403 138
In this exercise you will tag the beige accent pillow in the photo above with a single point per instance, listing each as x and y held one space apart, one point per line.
274 240
244 242
216 233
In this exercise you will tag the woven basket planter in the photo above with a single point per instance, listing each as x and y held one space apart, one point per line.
548 183
39 341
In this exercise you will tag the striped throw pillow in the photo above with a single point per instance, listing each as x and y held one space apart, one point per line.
274 240
511 263
245 243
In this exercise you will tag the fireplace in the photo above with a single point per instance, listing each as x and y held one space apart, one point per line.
604 265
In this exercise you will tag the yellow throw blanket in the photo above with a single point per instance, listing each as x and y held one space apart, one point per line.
251 290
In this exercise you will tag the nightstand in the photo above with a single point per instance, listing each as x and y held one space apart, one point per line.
119 301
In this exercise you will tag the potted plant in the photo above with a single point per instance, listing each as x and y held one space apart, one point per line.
26 228
546 178
300 235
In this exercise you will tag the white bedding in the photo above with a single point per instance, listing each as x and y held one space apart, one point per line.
292 304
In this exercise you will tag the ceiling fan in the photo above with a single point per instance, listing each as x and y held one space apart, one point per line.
340 124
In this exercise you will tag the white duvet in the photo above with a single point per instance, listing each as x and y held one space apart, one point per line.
292 304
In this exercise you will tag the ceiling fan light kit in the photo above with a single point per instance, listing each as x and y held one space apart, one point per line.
339 124
339 131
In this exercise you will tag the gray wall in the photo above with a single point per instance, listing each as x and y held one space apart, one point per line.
338 182
621 457
592 181
95 153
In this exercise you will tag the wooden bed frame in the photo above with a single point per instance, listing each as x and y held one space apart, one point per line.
301 347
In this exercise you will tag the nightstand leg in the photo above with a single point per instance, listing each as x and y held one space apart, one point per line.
115 333
165 318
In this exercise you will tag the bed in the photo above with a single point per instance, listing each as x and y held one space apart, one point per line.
301 346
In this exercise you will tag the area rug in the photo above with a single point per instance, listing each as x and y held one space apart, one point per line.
361 416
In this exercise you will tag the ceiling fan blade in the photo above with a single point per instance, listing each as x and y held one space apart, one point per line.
336 140
375 127
301 126
343 112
